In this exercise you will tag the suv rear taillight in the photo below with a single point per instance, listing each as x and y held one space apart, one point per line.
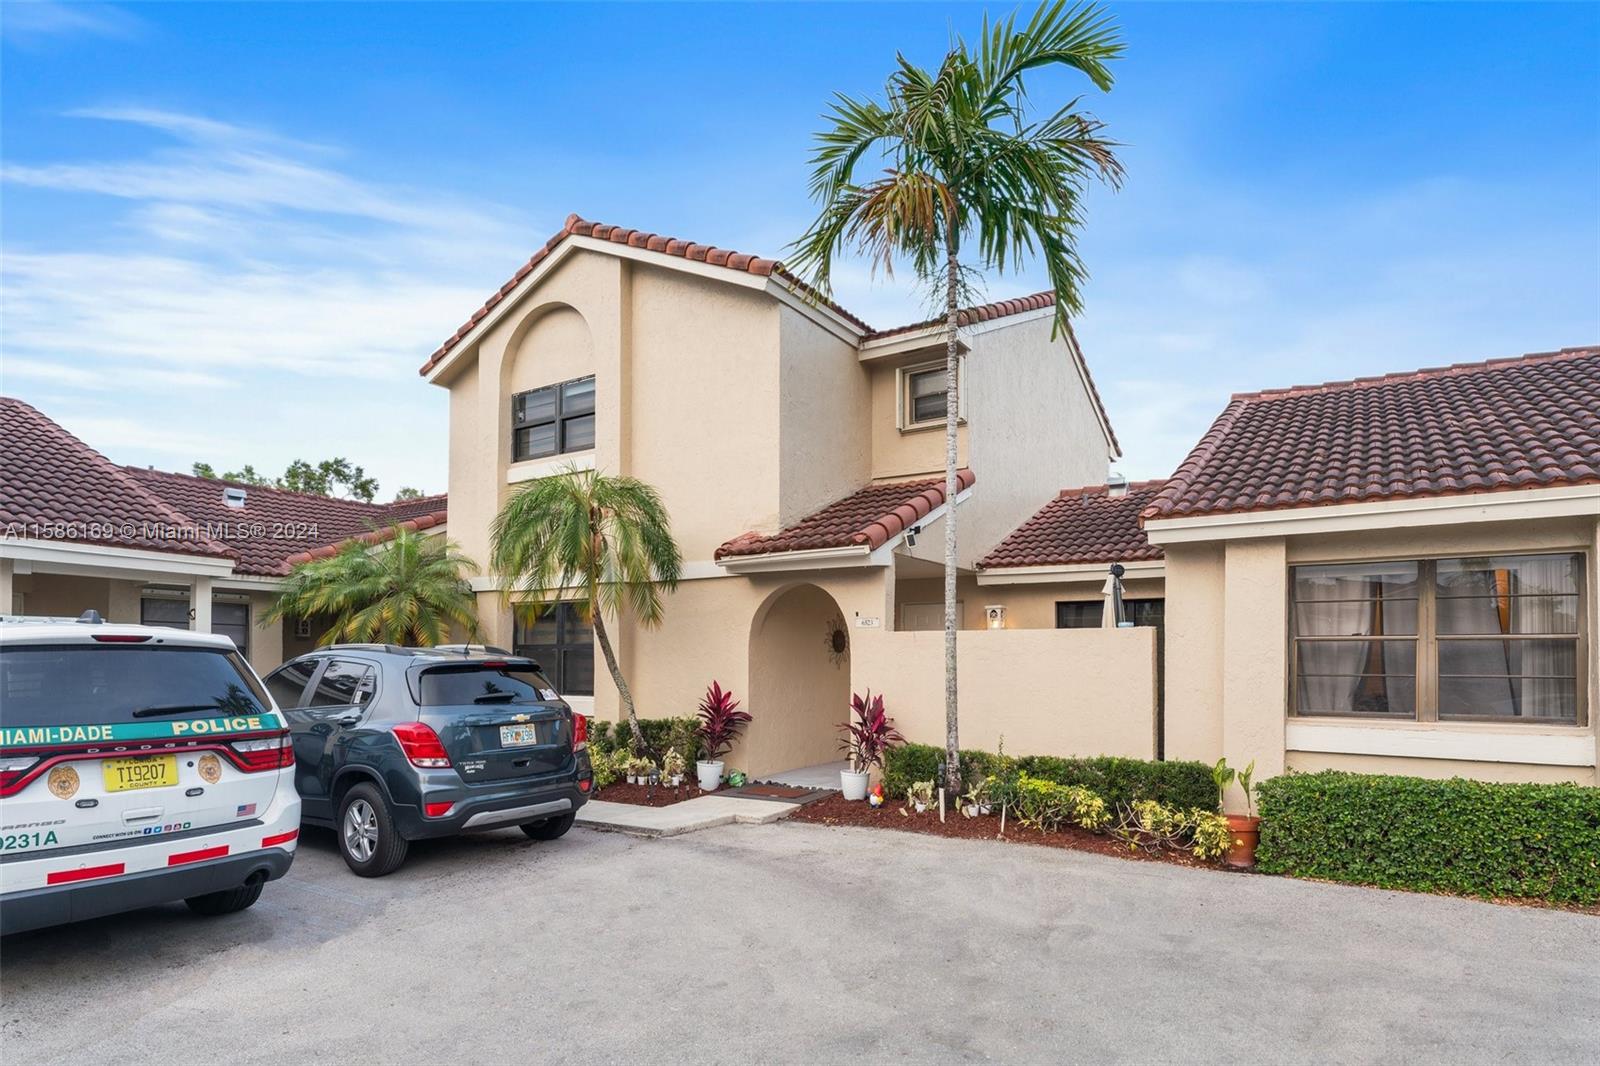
580 731
267 753
13 770
421 745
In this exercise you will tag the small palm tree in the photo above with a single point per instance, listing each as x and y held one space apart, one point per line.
409 589
968 173
605 539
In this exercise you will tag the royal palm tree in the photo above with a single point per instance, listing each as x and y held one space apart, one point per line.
971 181
408 589
601 542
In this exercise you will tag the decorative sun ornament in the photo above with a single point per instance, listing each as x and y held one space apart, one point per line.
837 642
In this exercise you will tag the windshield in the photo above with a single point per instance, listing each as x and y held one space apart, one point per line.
87 684
450 686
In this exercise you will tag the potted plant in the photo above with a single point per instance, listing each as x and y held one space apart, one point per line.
721 722
866 739
920 795
672 767
1244 829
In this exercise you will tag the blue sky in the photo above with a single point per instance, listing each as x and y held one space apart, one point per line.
234 232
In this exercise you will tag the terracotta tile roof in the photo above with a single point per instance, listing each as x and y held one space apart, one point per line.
373 536
705 253
1086 525
633 238
49 476
868 517
400 510
274 525
982 313
1520 423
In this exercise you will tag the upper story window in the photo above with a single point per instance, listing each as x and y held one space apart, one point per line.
1490 638
922 395
553 420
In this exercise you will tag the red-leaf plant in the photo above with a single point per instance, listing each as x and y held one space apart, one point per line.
720 722
871 735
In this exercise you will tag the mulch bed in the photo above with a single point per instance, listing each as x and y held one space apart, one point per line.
836 810
641 795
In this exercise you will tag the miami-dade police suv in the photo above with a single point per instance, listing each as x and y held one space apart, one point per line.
138 765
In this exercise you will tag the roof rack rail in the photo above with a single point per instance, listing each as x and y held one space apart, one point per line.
469 649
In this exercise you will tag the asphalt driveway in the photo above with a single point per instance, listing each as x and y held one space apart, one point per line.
794 943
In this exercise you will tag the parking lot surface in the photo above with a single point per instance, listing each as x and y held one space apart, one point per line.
794 943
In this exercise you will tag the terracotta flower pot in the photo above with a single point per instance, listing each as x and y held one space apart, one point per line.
1246 832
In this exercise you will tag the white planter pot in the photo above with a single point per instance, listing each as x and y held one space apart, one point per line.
710 775
854 785
922 808
677 779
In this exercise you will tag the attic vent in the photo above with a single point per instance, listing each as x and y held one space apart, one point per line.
233 497
1116 484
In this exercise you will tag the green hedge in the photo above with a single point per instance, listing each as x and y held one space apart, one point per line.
1117 781
659 735
1471 837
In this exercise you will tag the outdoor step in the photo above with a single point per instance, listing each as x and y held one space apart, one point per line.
703 812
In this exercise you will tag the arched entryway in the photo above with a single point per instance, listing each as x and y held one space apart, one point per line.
799 681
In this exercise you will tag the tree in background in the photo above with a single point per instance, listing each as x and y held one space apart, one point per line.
604 543
336 477
970 181
410 589
407 493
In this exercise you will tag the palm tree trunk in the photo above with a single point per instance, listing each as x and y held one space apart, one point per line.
952 743
617 678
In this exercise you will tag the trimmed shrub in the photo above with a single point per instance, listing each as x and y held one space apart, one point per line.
1116 780
1469 837
660 734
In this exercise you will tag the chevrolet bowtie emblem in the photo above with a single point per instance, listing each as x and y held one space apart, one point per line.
520 718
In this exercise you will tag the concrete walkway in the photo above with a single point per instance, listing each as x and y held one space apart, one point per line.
702 812
823 775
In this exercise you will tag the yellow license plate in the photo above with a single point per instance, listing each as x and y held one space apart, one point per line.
147 771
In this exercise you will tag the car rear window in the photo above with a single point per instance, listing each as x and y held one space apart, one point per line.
87 684
452 686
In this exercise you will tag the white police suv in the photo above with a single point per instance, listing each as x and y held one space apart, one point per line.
138 765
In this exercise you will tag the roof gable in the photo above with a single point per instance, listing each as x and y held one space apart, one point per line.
1528 422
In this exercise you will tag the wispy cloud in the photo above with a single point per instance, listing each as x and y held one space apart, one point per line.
34 22
234 256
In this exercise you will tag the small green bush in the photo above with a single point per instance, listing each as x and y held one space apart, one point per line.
660 735
1470 837
1116 780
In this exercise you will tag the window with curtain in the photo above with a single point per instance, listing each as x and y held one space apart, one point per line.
1483 638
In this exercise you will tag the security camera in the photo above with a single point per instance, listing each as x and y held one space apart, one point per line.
911 536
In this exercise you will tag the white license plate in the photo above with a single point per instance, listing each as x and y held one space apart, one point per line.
513 735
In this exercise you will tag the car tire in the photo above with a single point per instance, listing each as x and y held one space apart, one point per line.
549 828
368 838
228 901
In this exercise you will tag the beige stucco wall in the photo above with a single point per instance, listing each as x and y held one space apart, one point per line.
907 453
1034 429
1049 692
1227 649
824 439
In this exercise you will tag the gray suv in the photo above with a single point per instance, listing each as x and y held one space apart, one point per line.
397 744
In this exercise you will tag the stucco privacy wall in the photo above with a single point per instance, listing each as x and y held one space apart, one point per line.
1028 605
1047 691
1227 660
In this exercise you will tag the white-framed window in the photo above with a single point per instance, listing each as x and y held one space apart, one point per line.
922 394
1497 638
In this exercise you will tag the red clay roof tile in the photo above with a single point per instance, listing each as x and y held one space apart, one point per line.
740 261
868 517
413 522
1527 422
1086 525
275 525
50 477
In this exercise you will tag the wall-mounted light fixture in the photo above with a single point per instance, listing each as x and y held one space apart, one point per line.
911 536
996 615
